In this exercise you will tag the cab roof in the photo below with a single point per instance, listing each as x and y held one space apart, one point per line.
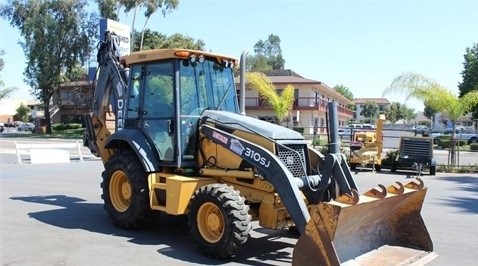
162 54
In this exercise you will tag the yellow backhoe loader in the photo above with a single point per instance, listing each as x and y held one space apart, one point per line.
169 129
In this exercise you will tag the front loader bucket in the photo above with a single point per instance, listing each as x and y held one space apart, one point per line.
379 229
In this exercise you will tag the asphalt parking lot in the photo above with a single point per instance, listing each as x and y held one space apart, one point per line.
52 215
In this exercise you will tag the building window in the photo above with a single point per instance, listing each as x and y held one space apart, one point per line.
72 98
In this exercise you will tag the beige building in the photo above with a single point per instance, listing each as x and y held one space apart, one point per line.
310 104
8 108
383 105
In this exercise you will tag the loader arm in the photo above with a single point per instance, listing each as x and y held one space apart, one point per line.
272 169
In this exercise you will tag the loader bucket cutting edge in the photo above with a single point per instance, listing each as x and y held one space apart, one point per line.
388 231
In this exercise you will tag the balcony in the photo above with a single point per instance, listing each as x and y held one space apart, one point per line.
300 103
71 104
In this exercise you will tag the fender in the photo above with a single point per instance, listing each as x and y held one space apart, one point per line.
139 143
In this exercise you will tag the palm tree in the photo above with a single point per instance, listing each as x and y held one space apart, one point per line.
152 6
435 96
4 93
281 104
128 6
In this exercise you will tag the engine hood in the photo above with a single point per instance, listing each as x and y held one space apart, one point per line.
246 123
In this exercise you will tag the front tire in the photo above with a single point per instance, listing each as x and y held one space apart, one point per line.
126 193
393 168
219 220
433 170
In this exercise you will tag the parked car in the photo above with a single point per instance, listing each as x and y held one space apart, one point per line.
345 131
460 134
361 126
1 128
25 127
421 130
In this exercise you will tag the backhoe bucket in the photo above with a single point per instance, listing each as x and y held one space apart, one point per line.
379 228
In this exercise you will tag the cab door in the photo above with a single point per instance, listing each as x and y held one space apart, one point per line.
156 114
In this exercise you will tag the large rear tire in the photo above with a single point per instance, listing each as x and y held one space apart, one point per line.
219 221
126 193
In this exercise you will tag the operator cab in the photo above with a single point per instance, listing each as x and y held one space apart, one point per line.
166 98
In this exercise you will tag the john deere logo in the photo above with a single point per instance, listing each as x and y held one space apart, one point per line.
290 160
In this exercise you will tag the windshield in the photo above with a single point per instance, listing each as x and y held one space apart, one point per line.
206 85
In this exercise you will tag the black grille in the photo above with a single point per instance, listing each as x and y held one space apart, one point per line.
293 156
416 148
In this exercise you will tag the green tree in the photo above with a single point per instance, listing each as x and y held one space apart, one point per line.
156 40
344 91
23 113
268 50
109 8
470 75
257 62
2 63
395 112
369 110
4 92
428 111
76 73
281 104
152 6
152 40
436 96
178 40
58 35
410 113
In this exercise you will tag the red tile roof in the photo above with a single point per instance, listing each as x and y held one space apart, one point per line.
287 76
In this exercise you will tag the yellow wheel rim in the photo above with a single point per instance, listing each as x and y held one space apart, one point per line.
210 222
120 191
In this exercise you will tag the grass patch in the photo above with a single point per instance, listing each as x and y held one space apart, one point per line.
457 169
76 133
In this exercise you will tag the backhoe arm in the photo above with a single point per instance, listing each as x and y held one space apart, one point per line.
110 89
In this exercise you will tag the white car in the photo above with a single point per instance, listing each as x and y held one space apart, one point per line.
25 127
344 131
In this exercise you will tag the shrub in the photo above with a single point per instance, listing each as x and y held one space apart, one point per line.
63 126
474 147
446 143
389 157
299 129
319 142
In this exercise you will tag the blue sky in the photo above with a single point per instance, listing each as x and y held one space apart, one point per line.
362 45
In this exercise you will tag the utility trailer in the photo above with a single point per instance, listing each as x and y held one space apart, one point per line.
415 153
